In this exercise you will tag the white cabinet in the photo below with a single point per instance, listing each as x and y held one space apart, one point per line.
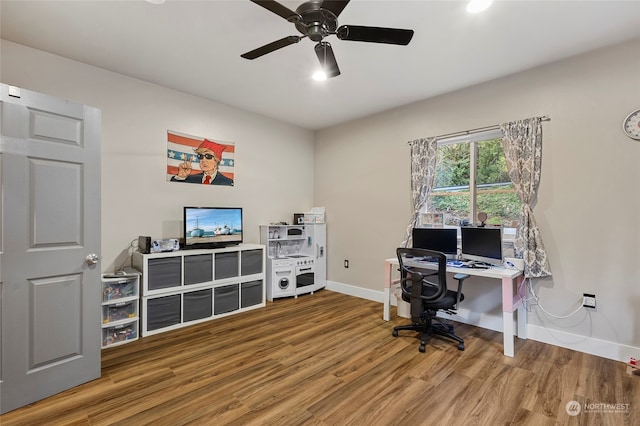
120 305
187 287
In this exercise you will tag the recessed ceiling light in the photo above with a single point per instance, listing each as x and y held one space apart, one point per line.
476 6
155 1
319 75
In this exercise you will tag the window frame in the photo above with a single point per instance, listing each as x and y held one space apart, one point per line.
473 139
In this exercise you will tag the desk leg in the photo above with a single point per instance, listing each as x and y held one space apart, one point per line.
512 302
507 334
509 305
386 310
522 322
522 310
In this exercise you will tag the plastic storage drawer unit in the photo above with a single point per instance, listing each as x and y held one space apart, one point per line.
119 311
120 288
119 334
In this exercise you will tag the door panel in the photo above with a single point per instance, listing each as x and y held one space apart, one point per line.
55 128
44 227
50 297
55 334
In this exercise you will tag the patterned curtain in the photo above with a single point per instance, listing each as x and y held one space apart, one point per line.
423 172
522 143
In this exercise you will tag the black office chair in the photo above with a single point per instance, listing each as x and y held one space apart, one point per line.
426 291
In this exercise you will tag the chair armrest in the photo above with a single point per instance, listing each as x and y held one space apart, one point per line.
460 278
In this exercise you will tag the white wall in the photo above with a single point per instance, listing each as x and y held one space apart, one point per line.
274 161
588 207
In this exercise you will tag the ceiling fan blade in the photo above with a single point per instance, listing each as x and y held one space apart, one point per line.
375 34
278 9
268 48
327 59
334 6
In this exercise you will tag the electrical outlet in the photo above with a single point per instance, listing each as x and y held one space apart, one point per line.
346 263
589 300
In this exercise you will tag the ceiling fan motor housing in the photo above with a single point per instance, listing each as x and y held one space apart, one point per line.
317 19
315 22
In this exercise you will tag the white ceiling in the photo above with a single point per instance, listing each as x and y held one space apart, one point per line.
195 47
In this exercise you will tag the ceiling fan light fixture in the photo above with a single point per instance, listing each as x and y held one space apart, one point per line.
319 75
477 6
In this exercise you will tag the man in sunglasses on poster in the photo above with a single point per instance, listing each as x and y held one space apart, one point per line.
209 155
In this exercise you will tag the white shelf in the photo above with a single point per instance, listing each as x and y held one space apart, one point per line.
187 287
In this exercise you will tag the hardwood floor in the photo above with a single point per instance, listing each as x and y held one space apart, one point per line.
330 359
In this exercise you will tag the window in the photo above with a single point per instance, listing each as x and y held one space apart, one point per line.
472 177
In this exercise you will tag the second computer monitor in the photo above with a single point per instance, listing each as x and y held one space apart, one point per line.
482 244
444 240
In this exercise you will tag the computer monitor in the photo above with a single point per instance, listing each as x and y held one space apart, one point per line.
444 240
482 244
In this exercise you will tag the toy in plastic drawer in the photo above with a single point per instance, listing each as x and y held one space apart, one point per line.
119 288
119 334
119 311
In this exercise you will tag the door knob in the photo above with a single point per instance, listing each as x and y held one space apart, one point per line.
92 259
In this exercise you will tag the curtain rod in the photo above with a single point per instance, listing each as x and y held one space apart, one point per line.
481 129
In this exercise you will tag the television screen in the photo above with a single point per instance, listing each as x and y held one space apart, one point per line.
212 227
482 244
444 240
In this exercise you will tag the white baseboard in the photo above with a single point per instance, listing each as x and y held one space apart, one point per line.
363 293
585 344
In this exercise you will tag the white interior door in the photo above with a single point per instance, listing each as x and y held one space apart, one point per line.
50 217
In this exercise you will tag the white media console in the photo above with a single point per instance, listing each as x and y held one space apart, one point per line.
187 287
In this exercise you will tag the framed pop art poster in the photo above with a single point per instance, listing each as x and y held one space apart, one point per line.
198 160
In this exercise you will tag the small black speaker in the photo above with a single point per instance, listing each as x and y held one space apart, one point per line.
144 244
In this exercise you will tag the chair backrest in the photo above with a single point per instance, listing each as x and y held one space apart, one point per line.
414 278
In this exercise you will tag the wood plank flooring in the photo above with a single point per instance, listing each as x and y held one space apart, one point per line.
330 359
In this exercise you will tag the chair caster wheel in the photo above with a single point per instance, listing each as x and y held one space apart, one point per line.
421 348
395 333
461 346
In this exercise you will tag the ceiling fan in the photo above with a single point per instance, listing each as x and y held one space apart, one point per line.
318 19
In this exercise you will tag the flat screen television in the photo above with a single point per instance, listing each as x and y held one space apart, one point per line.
482 244
212 227
444 240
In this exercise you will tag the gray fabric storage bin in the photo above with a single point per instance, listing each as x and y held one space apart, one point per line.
251 293
163 312
226 299
226 265
198 269
164 272
251 262
197 304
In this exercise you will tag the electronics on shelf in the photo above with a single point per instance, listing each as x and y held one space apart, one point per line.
482 244
444 240
170 244
212 227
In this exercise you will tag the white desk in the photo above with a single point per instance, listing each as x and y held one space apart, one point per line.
511 299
